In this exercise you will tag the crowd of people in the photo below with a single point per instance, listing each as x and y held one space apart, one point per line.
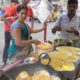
17 32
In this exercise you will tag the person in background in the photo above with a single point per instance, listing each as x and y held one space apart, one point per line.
30 17
69 24
20 33
8 17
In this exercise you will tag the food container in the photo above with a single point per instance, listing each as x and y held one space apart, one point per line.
30 69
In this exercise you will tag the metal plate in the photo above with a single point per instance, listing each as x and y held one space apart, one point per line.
30 68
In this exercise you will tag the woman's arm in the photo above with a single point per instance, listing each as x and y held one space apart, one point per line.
18 39
38 30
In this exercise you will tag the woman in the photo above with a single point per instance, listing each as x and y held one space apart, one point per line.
20 33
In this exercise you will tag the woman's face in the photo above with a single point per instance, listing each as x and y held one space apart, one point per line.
72 8
22 15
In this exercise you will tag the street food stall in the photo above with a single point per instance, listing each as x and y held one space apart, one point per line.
50 64
56 61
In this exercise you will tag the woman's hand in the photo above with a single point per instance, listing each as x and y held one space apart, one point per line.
35 41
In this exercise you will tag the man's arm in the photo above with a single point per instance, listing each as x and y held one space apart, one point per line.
3 18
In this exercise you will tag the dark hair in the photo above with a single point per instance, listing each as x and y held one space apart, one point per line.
20 7
73 2
16 1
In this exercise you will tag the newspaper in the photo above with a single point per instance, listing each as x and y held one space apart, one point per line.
43 10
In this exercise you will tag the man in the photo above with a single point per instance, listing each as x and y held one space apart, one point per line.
9 13
69 23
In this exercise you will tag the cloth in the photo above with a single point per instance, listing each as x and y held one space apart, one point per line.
21 54
65 23
25 36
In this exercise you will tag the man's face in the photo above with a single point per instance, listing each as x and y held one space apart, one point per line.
25 2
72 8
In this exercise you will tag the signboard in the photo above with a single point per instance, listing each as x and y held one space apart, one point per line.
43 10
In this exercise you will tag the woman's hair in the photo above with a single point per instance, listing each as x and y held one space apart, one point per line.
20 7
14 1
73 2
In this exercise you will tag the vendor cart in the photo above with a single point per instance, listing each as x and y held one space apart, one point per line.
12 71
